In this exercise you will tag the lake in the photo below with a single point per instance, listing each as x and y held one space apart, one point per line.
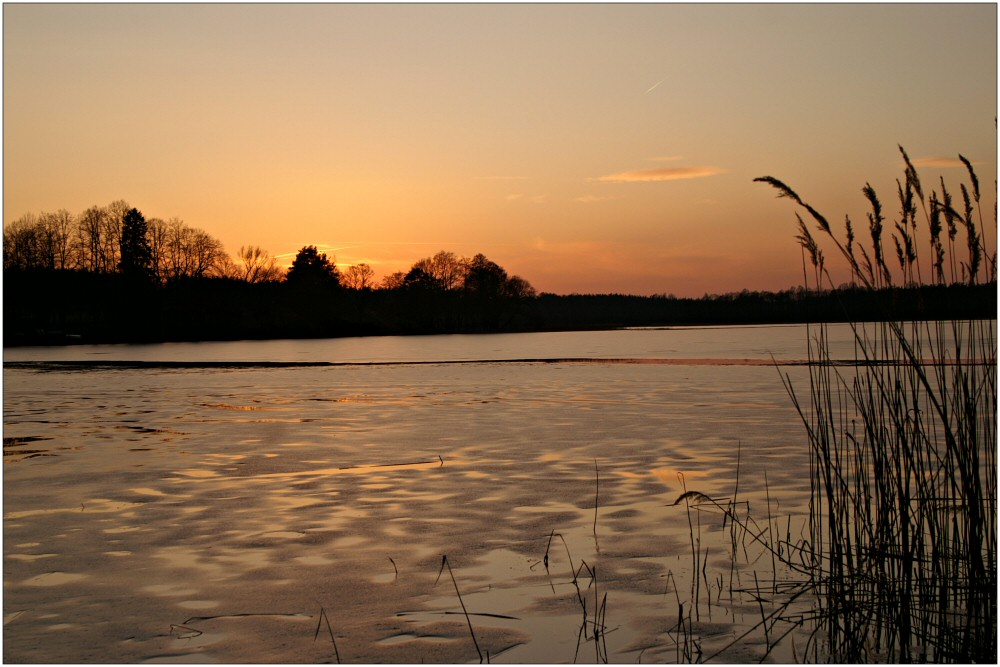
239 507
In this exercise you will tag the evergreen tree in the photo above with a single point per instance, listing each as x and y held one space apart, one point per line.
312 267
136 253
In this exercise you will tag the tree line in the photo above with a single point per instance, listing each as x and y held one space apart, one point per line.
111 275
117 238
846 303
96 239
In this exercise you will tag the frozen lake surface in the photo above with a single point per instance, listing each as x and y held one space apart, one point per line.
224 513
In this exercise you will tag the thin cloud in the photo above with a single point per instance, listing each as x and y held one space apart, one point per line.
534 199
350 245
655 85
590 199
667 158
354 261
940 162
321 247
662 174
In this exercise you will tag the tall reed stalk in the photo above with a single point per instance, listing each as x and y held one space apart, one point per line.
902 529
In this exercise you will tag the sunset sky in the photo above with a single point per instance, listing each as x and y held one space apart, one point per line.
584 147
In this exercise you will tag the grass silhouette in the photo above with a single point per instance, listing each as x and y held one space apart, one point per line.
902 529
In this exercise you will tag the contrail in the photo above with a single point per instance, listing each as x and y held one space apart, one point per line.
651 88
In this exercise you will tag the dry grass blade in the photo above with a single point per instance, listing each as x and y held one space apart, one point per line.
196 631
446 564
324 617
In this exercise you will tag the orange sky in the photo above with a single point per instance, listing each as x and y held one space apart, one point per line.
587 148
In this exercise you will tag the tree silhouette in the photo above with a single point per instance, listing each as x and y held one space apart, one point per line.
185 252
136 255
393 281
256 265
446 267
520 288
486 278
312 268
358 277
419 279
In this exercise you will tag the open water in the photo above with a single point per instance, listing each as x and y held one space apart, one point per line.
236 502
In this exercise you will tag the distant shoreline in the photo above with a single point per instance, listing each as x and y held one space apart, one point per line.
66 308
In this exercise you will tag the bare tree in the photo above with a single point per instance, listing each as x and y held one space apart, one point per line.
20 243
393 280
111 234
446 267
450 269
255 265
358 277
191 252
176 261
45 243
88 238
58 231
157 232
40 242
207 254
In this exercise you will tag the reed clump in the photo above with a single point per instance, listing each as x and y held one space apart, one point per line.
901 543
593 626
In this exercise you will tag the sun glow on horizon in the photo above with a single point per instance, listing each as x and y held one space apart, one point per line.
487 128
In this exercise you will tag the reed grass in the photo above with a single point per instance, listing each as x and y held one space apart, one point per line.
774 600
593 626
597 497
901 541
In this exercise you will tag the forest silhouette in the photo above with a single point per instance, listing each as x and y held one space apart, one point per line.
109 275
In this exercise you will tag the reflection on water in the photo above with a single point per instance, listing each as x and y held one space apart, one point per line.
263 495
690 343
